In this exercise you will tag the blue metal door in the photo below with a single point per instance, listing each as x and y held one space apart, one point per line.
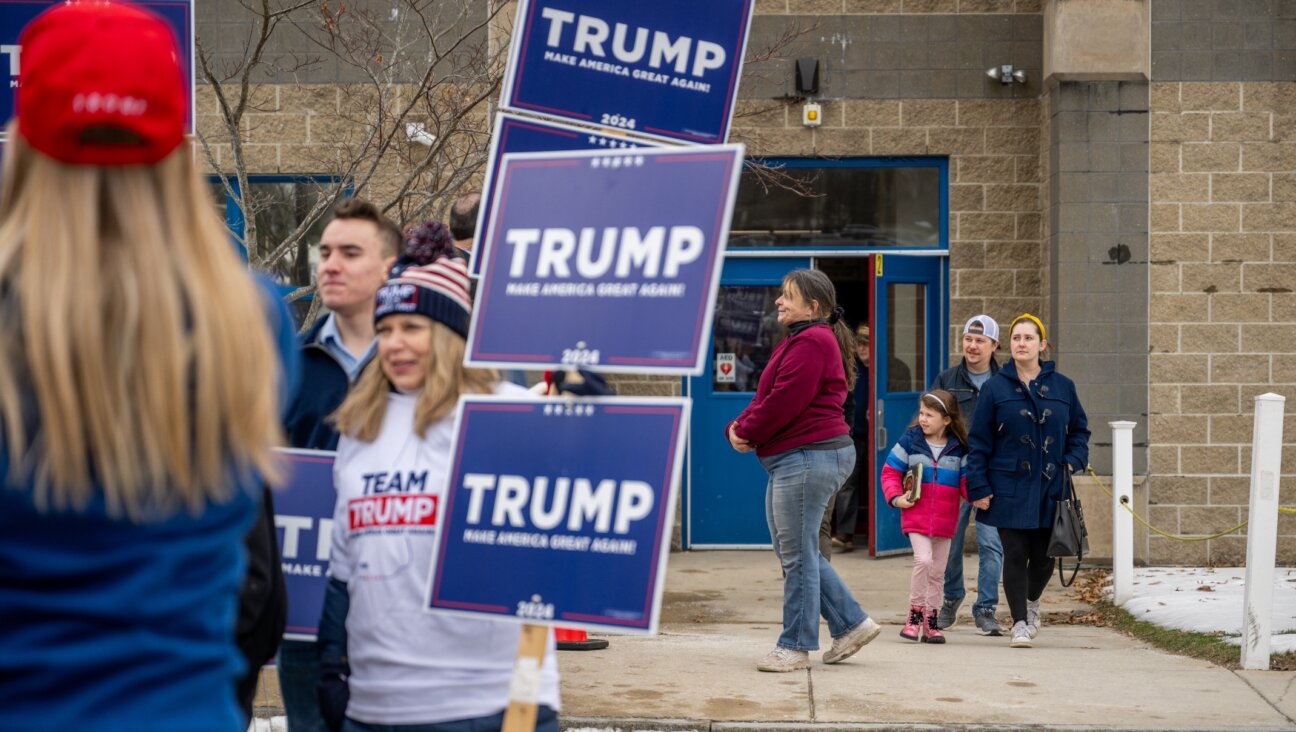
909 302
725 494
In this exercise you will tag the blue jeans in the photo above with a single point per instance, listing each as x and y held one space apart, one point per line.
989 570
546 721
801 482
298 668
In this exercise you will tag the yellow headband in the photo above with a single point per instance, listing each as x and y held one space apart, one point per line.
1027 316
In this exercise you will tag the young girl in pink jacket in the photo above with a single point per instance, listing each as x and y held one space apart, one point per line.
937 440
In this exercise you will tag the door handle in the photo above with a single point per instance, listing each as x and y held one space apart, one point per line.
881 423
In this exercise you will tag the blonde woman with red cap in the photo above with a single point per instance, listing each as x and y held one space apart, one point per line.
1029 432
139 392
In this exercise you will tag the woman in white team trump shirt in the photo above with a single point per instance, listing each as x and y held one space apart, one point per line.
407 670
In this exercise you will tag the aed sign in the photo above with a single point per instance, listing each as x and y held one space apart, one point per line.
515 134
18 13
724 368
667 68
304 519
604 260
571 524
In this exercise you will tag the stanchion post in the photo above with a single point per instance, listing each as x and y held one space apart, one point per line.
1122 519
1262 531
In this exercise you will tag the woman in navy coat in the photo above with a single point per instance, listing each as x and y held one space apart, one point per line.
1027 433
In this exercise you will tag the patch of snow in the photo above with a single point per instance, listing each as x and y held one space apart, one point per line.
1209 600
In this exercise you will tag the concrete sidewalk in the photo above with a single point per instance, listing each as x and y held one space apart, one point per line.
722 612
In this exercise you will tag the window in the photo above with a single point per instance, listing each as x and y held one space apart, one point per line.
851 202
278 204
744 335
906 345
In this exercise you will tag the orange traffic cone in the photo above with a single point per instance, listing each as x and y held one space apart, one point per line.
577 640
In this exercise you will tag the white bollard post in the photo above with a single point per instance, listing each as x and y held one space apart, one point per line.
1122 520
1262 531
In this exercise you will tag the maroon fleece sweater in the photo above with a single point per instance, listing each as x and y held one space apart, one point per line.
800 395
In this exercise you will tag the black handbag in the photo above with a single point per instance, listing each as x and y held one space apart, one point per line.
1070 538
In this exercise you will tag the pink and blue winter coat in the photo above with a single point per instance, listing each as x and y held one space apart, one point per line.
944 483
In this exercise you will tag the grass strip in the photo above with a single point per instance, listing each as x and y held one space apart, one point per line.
1212 647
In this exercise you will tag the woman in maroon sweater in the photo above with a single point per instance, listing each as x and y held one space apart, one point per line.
795 426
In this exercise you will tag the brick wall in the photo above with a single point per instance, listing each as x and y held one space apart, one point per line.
1222 309
994 172
938 49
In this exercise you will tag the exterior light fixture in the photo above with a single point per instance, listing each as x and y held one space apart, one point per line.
1006 75
807 76
418 132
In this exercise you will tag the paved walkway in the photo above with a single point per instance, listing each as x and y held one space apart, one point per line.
722 612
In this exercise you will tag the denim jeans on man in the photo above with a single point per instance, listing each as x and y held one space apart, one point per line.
989 568
546 721
298 667
800 484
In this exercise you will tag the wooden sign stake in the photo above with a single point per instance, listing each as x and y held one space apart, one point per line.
524 689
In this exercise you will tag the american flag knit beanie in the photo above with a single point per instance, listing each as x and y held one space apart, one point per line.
428 279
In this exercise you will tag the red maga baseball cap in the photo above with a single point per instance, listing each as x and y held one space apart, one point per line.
100 84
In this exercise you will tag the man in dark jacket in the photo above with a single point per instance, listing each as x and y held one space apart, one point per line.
964 381
356 251
845 507
463 222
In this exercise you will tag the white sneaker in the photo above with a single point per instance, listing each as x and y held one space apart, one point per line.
849 644
782 660
1033 617
1021 635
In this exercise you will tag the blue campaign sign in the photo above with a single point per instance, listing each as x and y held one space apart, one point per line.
515 134
16 14
571 524
304 517
667 68
604 260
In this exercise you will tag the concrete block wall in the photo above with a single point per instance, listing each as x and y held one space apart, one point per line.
994 171
1223 40
1222 307
1097 253
907 77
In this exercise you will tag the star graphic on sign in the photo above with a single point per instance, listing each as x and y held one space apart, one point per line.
595 163
639 161
548 409
592 139
616 162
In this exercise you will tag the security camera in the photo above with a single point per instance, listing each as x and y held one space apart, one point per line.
417 132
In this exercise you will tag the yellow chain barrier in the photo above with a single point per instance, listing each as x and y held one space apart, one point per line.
1177 537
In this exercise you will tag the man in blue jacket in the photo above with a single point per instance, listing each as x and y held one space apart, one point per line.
964 381
356 251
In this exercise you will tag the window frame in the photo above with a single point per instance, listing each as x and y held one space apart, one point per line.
236 221
940 163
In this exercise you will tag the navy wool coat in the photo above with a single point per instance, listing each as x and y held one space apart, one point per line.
1021 442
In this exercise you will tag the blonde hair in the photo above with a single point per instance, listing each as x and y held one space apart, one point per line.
132 339
361 414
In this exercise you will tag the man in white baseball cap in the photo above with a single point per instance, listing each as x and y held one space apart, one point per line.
964 381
